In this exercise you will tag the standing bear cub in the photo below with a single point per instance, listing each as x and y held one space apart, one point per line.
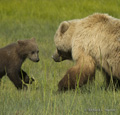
91 42
12 57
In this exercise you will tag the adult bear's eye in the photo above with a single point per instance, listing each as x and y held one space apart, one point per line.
59 52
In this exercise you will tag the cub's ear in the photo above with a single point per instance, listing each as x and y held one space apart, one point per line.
64 27
33 39
21 42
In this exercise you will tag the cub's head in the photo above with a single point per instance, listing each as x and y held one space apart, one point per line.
62 39
29 49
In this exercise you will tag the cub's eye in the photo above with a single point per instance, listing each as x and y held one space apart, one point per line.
37 51
32 52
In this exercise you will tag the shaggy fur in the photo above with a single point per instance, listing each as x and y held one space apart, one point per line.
92 41
12 57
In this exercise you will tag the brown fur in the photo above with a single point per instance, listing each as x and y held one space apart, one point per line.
94 39
12 57
79 74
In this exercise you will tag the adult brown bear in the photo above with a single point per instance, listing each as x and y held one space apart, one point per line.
11 58
90 42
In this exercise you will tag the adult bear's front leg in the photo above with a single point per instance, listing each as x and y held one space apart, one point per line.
78 75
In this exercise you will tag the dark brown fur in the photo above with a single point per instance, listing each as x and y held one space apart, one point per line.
78 75
11 59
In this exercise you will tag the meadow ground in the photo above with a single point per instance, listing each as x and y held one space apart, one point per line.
23 19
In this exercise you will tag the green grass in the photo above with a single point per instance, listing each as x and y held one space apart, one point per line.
23 19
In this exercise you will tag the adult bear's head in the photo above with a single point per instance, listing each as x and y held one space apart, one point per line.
63 42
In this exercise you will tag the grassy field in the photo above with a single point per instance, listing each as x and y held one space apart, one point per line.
24 19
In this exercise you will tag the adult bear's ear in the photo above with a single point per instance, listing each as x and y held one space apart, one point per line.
64 27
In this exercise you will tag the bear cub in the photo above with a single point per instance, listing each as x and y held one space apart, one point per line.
12 57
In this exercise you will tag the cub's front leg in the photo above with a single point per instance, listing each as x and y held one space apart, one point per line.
14 76
25 77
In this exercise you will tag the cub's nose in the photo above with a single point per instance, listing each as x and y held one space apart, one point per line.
37 60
